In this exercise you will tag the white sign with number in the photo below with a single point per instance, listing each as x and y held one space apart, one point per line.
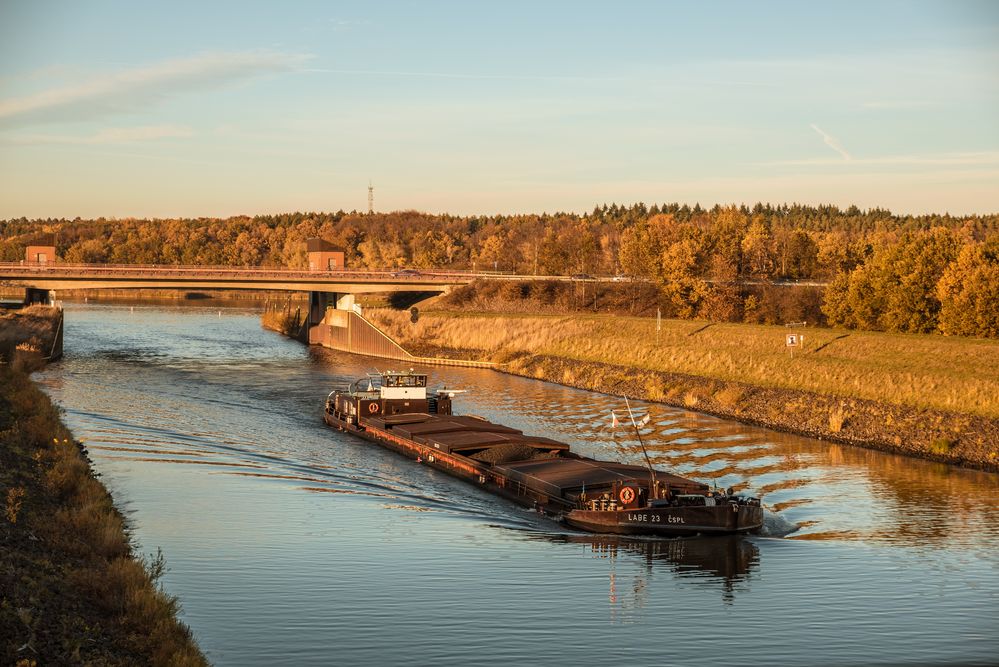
792 340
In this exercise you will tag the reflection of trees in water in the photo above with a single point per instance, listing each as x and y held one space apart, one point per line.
833 490
931 502
887 497
905 499
726 560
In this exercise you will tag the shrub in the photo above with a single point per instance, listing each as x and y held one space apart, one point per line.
837 419
942 445
729 396
15 498
690 399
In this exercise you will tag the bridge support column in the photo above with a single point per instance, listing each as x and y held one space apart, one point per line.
326 312
320 302
33 295
345 302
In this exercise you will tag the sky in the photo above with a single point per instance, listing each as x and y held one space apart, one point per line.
178 108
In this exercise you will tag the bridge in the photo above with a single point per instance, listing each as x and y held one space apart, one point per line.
327 289
331 318
62 276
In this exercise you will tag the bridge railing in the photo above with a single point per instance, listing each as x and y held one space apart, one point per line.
78 269
26 268
404 275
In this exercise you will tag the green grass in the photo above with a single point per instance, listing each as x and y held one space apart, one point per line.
923 371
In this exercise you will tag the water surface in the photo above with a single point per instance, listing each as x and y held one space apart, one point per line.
289 542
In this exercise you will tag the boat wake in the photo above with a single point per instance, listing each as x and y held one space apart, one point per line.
776 525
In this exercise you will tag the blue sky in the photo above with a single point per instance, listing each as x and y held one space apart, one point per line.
181 108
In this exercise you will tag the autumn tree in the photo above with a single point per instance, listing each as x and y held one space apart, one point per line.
492 252
758 249
969 292
796 254
725 237
896 289
91 251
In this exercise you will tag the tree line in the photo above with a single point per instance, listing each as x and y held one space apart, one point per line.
884 271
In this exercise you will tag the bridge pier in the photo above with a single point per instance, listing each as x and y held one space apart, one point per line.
320 302
33 295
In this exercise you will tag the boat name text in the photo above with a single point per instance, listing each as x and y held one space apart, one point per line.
656 518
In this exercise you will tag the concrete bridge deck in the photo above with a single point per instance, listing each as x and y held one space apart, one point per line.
62 276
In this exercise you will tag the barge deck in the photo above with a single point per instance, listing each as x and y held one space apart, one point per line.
396 412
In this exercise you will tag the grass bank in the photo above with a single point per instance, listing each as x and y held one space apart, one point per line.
30 331
926 395
72 588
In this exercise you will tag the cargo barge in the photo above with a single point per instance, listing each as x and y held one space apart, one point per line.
396 411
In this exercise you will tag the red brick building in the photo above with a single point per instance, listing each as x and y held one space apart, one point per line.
324 256
40 254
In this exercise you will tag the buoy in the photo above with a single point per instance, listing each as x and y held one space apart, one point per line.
627 494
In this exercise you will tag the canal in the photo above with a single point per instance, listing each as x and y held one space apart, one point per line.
288 542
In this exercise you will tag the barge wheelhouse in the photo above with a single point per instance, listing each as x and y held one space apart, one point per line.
397 411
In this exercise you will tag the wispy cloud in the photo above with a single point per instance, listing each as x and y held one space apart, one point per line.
136 88
895 104
344 24
463 75
937 160
111 135
831 142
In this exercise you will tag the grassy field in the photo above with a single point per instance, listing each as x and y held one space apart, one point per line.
922 371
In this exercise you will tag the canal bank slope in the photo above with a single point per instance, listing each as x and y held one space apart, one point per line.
72 589
928 396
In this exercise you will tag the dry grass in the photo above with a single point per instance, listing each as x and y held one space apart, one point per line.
942 445
730 396
691 399
73 590
15 498
26 335
923 371
837 419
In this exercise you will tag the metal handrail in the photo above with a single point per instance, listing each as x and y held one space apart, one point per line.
421 275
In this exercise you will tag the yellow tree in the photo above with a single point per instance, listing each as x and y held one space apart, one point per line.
969 292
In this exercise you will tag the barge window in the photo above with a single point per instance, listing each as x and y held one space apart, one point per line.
405 381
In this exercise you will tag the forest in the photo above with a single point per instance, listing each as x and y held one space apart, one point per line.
880 271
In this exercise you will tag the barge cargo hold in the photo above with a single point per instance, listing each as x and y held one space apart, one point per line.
396 411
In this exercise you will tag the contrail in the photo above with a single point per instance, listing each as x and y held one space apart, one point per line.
831 142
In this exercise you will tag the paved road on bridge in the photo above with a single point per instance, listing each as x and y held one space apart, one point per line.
63 276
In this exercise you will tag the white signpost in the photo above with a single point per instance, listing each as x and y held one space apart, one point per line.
793 341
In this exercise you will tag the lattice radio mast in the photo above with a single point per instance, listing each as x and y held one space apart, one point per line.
371 198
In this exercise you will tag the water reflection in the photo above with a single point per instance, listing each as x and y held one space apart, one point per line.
721 561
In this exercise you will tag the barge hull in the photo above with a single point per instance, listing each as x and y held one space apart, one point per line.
532 471
663 522
670 521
